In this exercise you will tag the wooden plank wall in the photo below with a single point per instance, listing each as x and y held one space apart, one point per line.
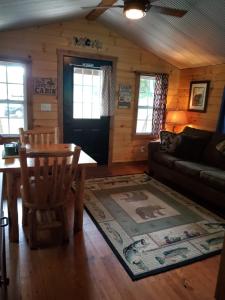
40 43
216 75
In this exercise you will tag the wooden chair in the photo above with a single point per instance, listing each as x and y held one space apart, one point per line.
44 191
39 136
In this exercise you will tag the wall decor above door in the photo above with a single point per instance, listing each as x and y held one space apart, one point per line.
87 42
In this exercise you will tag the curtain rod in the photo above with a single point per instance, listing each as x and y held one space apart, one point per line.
86 67
148 73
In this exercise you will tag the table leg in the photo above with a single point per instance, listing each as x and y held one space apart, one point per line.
79 200
11 182
220 289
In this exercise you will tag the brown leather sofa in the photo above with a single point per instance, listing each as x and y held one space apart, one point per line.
204 178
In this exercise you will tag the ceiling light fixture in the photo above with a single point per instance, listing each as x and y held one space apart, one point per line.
134 10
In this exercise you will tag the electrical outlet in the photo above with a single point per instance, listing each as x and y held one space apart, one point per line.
142 148
46 107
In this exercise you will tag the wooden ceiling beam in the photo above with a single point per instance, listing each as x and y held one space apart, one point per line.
95 13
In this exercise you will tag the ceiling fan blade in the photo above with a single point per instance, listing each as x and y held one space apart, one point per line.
100 9
103 7
168 11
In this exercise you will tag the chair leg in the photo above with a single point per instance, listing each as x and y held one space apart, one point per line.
24 216
32 229
63 218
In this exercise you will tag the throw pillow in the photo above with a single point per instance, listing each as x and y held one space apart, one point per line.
198 133
221 147
190 148
169 141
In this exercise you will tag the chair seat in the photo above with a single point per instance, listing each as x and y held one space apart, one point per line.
47 219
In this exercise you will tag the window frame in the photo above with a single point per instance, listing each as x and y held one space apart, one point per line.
136 100
28 116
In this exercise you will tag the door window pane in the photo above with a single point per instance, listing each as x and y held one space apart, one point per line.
87 94
87 110
95 111
87 79
87 91
77 93
77 78
77 110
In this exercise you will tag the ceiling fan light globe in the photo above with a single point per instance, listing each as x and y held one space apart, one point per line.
134 13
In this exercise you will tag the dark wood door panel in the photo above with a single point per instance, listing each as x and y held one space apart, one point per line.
91 134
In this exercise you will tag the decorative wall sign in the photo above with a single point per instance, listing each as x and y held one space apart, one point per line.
86 42
44 86
124 96
198 95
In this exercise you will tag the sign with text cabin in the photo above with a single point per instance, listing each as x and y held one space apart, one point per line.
44 86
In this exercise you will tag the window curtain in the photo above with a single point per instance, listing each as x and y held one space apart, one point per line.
221 121
159 103
108 99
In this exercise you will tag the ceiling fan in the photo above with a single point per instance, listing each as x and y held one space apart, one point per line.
137 9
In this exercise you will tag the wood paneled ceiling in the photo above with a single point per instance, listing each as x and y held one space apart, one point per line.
197 39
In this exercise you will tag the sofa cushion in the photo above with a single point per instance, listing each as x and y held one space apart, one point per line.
221 147
191 147
165 159
191 168
204 134
214 178
169 141
211 155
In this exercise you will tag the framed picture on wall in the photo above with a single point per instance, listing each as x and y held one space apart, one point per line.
198 95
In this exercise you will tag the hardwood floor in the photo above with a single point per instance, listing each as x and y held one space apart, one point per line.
87 269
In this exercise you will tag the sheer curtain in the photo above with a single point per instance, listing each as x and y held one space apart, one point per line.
108 99
159 103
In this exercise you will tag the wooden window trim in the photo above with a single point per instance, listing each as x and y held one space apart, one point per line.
139 136
27 62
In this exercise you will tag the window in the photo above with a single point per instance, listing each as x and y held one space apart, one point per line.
12 97
87 93
145 104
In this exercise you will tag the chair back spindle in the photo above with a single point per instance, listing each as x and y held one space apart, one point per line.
39 136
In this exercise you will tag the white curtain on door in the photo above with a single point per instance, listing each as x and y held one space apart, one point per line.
108 97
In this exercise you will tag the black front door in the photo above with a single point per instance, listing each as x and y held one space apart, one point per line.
82 123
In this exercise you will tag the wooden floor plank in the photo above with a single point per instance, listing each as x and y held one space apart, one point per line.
87 269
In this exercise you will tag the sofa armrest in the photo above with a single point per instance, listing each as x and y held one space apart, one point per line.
153 147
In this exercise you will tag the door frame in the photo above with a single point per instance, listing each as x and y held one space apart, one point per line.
60 56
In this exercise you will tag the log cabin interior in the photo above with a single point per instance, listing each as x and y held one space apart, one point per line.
110 79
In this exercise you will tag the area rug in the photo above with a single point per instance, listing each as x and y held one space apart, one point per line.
150 227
